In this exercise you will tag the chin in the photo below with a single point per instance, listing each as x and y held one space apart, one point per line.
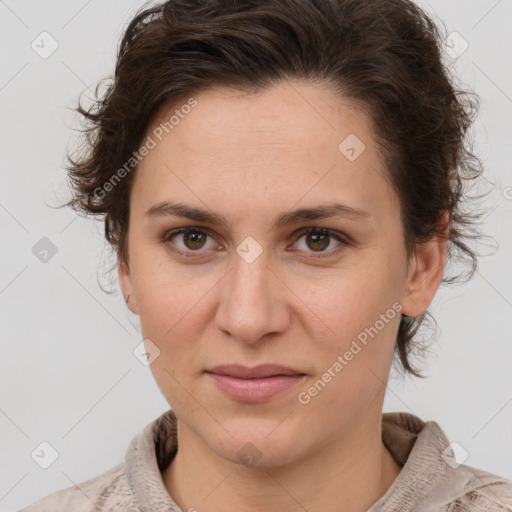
256 445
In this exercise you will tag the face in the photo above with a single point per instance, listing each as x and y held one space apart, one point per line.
319 293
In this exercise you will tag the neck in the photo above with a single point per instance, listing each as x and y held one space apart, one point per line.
356 470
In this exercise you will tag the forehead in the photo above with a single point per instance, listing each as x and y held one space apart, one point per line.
291 142
288 113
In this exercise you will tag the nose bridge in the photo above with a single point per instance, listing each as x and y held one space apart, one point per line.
249 278
251 306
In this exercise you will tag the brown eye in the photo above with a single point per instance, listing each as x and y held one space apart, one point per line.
192 240
318 240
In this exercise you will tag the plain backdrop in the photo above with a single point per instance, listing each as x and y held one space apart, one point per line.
68 374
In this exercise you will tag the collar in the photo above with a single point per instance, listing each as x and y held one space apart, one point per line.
416 445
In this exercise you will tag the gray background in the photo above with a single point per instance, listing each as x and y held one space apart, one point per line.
68 375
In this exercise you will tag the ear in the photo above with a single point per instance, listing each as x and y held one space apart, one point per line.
125 281
426 271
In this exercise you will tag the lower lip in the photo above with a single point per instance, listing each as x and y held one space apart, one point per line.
255 390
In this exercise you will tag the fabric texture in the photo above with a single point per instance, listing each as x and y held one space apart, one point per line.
429 481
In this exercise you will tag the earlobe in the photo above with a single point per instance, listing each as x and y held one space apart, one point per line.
425 272
125 281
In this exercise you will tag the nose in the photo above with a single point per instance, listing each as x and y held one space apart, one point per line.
253 303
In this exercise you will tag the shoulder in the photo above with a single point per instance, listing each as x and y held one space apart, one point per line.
481 492
432 480
132 485
110 489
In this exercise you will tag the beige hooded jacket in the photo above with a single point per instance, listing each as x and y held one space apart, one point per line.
430 479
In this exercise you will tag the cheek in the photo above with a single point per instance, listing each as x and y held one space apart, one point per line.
354 316
166 297
174 311
172 316
353 342
348 300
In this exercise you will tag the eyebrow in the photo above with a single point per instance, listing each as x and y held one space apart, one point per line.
170 209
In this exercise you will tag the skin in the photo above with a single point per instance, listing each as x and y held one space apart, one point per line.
251 157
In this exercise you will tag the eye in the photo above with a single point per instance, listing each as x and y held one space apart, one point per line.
193 240
317 240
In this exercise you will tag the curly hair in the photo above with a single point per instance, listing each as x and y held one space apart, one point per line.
386 55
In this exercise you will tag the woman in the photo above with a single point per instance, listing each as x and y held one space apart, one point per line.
282 184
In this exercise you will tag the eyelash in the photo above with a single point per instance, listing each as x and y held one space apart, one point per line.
342 239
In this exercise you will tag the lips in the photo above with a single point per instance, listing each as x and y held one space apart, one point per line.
257 372
254 385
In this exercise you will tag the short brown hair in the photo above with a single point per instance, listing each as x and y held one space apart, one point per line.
386 54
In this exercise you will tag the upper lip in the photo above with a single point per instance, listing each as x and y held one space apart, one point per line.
256 372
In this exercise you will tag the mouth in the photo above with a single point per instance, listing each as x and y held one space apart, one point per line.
257 372
254 385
